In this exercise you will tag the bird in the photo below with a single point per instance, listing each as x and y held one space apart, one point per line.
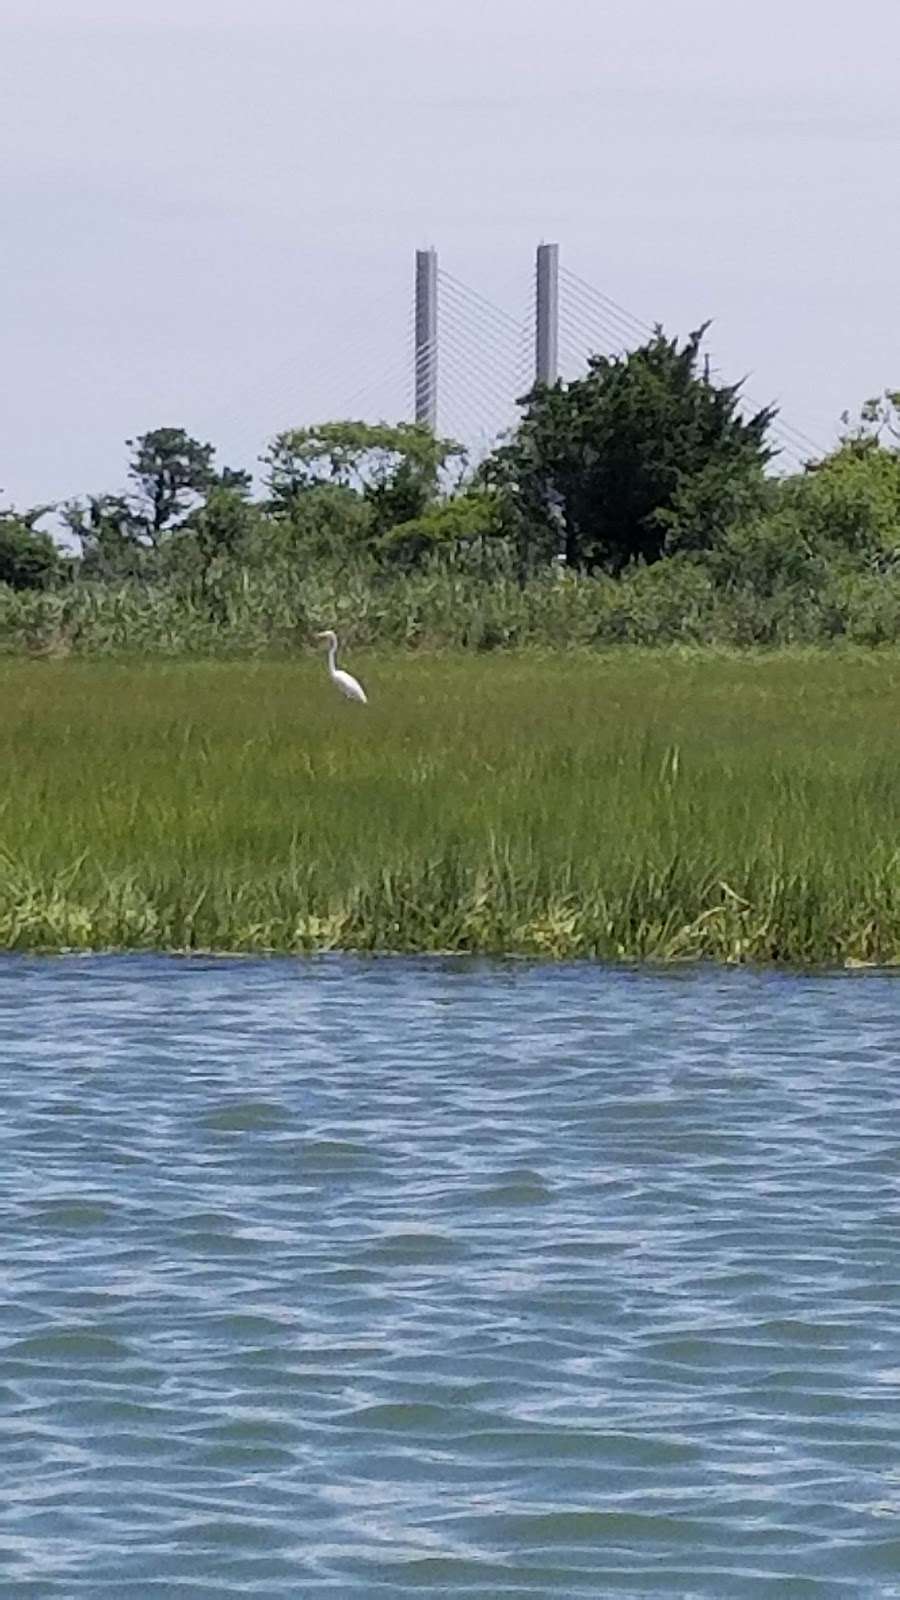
344 681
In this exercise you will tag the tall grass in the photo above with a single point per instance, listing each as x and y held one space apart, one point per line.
661 805
245 614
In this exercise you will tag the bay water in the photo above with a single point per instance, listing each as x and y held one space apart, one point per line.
389 1277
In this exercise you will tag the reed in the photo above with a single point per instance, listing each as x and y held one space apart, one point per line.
640 805
246 614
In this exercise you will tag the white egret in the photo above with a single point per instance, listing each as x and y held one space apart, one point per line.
344 681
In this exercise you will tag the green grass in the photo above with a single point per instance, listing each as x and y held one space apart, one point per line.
656 805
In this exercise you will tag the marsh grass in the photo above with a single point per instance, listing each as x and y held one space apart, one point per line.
635 805
239 614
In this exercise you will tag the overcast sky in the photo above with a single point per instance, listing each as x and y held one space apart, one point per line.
210 206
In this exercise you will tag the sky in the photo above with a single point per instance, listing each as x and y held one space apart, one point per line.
210 207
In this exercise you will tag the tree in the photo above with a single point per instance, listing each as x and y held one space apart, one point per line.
393 467
29 559
223 527
466 522
174 478
172 473
878 423
601 464
110 534
319 523
838 517
849 503
707 507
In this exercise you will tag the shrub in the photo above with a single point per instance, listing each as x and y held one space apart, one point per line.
28 558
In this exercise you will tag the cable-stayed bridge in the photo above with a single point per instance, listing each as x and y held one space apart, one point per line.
458 360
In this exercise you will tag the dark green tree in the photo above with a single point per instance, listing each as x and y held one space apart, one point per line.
172 473
600 465
174 478
223 528
29 559
463 524
110 533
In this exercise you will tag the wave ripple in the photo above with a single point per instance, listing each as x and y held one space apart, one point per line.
358 1277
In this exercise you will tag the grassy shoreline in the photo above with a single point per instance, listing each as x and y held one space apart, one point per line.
637 805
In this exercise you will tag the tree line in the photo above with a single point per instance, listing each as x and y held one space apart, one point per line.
645 458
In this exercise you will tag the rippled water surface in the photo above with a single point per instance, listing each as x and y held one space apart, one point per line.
359 1278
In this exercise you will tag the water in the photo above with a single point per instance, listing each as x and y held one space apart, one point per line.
355 1278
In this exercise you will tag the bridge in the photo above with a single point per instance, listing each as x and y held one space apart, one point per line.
461 360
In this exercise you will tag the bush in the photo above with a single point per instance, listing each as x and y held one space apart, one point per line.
467 523
28 558
848 504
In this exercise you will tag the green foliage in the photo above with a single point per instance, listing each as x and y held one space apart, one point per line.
176 485
849 503
466 522
110 534
807 559
357 455
393 468
796 563
709 506
170 470
617 451
224 527
325 523
272 606
878 422
28 558
672 529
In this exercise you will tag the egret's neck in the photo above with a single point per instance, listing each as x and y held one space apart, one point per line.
332 656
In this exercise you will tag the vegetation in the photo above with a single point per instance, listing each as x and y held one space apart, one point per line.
661 806
626 454
28 558
559 800
756 590
636 505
